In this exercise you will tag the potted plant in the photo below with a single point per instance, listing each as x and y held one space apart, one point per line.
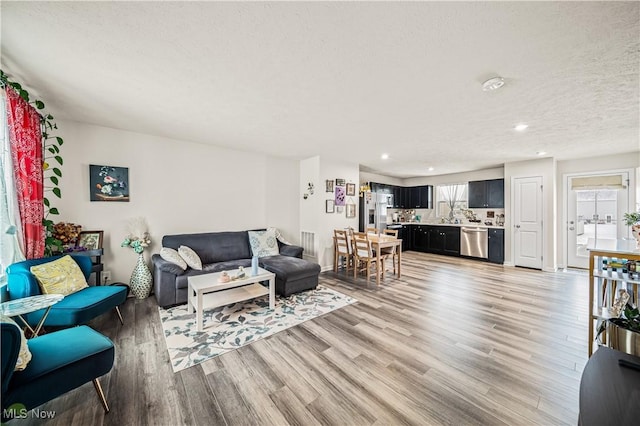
633 220
624 327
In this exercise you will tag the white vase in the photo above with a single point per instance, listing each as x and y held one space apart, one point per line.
141 279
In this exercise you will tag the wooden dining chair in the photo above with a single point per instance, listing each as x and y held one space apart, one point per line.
372 230
363 256
342 249
390 252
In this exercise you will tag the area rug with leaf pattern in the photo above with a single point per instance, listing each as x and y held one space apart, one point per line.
230 327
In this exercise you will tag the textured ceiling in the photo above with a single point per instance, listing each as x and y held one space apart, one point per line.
348 80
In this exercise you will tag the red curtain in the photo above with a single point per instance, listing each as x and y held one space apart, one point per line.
25 137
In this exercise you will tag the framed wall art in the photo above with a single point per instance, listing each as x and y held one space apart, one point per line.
329 206
351 189
329 186
340 196
90 240
351 210
108 183
339 182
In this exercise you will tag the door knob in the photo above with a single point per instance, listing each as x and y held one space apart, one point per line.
571 228
517 226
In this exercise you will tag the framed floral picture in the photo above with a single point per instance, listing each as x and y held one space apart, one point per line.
108 183
90 240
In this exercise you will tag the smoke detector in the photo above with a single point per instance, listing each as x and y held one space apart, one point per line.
493 84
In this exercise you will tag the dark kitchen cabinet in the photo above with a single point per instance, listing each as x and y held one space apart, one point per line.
420 238
381 188
444 240
496 245
398 197
418 197
405 235
423 197
486 194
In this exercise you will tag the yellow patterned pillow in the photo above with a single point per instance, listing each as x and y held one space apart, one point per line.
24 356
62 276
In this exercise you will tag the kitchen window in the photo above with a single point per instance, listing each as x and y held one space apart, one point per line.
452 196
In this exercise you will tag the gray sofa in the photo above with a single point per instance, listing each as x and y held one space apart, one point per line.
223 251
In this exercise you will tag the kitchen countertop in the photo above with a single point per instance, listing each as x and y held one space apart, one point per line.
459 225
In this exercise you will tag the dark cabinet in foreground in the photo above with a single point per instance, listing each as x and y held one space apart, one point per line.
496 245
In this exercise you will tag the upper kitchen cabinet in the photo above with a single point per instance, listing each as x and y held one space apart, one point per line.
422 197
486 194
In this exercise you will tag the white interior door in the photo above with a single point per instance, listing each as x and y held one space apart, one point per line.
527 222
594 213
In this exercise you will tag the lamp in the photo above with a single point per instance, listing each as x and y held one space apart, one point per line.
364 187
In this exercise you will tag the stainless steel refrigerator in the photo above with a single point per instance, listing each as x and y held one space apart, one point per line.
373 210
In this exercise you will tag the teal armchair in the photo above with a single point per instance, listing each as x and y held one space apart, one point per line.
60 361
75 309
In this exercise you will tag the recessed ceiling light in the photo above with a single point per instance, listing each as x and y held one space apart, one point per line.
521 127
384 156
430 169
493 84
541 153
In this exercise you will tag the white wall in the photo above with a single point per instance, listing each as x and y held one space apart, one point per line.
486 174
331 169
178 186
313 217
374 177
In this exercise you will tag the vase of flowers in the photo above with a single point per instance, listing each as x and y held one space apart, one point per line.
138 239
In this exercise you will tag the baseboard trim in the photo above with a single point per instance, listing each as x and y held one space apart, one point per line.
326 268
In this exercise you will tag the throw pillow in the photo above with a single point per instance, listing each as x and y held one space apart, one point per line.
61 276
264 243
279 236
190 257
171 255
24 356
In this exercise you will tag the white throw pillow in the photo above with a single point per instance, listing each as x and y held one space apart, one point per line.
264 243
191 257
171 255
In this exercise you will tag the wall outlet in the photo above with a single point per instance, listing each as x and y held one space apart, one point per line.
106 277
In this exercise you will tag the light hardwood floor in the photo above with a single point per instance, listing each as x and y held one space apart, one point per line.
453 341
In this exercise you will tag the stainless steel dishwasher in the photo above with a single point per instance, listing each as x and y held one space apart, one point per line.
474 242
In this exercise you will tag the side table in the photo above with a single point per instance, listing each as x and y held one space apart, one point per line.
97 265
19 307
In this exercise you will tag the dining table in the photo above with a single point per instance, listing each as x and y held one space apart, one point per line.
382 241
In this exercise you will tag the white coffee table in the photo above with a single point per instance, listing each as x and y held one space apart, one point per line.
205 292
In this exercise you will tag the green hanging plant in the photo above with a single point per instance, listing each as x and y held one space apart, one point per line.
51 163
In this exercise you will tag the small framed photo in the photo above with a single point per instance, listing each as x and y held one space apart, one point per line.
329 186
351 210
339 209
330 206
351 189
90 240
339 182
